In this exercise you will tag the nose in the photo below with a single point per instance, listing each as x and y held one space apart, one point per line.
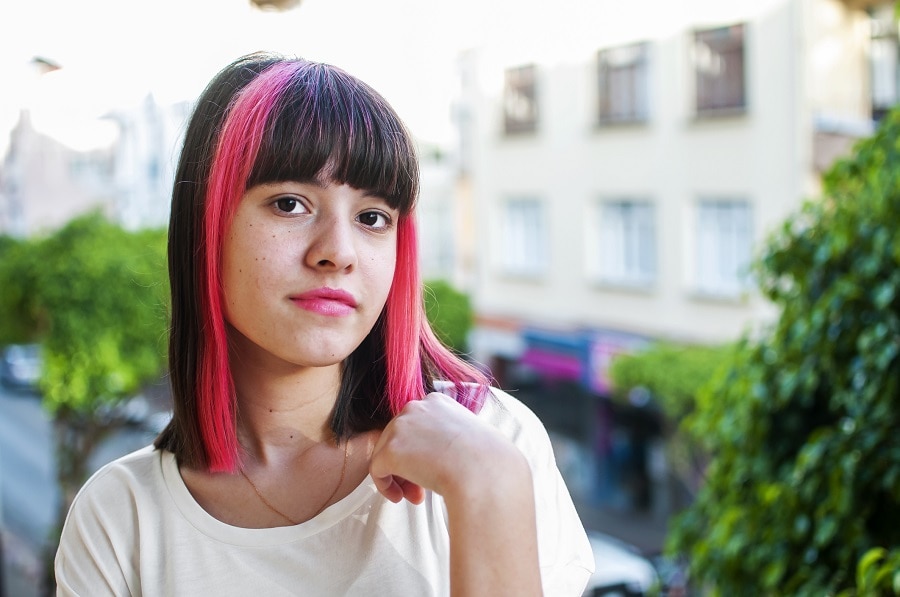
332 246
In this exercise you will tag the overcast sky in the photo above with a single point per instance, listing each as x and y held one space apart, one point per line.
112 52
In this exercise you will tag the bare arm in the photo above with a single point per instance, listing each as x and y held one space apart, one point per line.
486 484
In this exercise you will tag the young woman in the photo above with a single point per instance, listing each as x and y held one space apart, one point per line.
323 442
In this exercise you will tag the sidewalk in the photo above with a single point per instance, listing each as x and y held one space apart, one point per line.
21 573
644 531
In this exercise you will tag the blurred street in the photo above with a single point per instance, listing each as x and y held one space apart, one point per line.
28 485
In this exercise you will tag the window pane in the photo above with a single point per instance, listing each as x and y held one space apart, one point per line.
524 247
627 242
719 64
724 241
622 80
520 100
884 49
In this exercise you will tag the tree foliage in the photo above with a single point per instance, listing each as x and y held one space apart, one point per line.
450 313
672 373
803 423
94 296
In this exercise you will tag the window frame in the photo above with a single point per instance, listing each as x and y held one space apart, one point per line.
715 247
520 92
524 242
884 62
620 75
713 95
630 237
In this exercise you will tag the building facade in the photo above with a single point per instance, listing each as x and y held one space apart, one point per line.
45 182
620 186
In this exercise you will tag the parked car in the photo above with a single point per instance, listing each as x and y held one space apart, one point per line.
20 366
620 570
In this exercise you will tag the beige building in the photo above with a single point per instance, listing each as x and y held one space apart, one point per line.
618 176
621 180
58 163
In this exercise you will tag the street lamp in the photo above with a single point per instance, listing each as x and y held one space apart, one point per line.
277 5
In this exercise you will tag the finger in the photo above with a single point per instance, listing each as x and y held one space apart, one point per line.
389 488
411 491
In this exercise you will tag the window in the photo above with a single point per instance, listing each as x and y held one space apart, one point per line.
719 64
626 243
524 245
622 79
520 100
884 50
723 247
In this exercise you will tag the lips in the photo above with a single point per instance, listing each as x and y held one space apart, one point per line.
326 301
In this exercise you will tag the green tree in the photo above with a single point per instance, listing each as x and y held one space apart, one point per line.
94 295
803 423
450 313
673 375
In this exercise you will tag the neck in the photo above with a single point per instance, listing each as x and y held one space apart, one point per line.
282 416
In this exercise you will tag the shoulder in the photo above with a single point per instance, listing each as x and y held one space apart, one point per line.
111 493
515 420
138 467
100 537
511 417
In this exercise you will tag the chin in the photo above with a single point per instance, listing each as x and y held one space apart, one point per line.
323 358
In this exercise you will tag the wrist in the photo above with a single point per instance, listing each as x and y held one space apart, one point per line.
499 472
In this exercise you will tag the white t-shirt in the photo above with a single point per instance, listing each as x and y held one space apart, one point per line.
135 529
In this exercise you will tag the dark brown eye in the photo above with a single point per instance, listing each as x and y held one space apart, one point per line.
289 205
374 219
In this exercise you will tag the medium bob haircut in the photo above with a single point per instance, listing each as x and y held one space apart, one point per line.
267 118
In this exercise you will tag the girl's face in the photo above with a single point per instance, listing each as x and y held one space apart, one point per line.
306 271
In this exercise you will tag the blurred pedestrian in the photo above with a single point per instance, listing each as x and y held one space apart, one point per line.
324 442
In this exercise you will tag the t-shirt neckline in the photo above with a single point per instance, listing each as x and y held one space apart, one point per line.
207 524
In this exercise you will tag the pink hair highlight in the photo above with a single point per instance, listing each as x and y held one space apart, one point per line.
403 321
408 335
239 142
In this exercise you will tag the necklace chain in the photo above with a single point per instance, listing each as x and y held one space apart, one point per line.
271 507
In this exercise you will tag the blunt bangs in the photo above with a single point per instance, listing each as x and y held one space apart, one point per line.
328 126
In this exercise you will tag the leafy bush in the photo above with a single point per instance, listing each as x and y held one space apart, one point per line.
94 296
672 373
802 425
450 313
20 318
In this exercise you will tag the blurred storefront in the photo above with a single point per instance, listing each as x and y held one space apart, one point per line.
563 376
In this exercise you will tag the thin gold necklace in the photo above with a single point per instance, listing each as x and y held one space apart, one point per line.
319 511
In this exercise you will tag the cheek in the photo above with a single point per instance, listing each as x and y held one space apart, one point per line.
387 268
245 263
379 276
